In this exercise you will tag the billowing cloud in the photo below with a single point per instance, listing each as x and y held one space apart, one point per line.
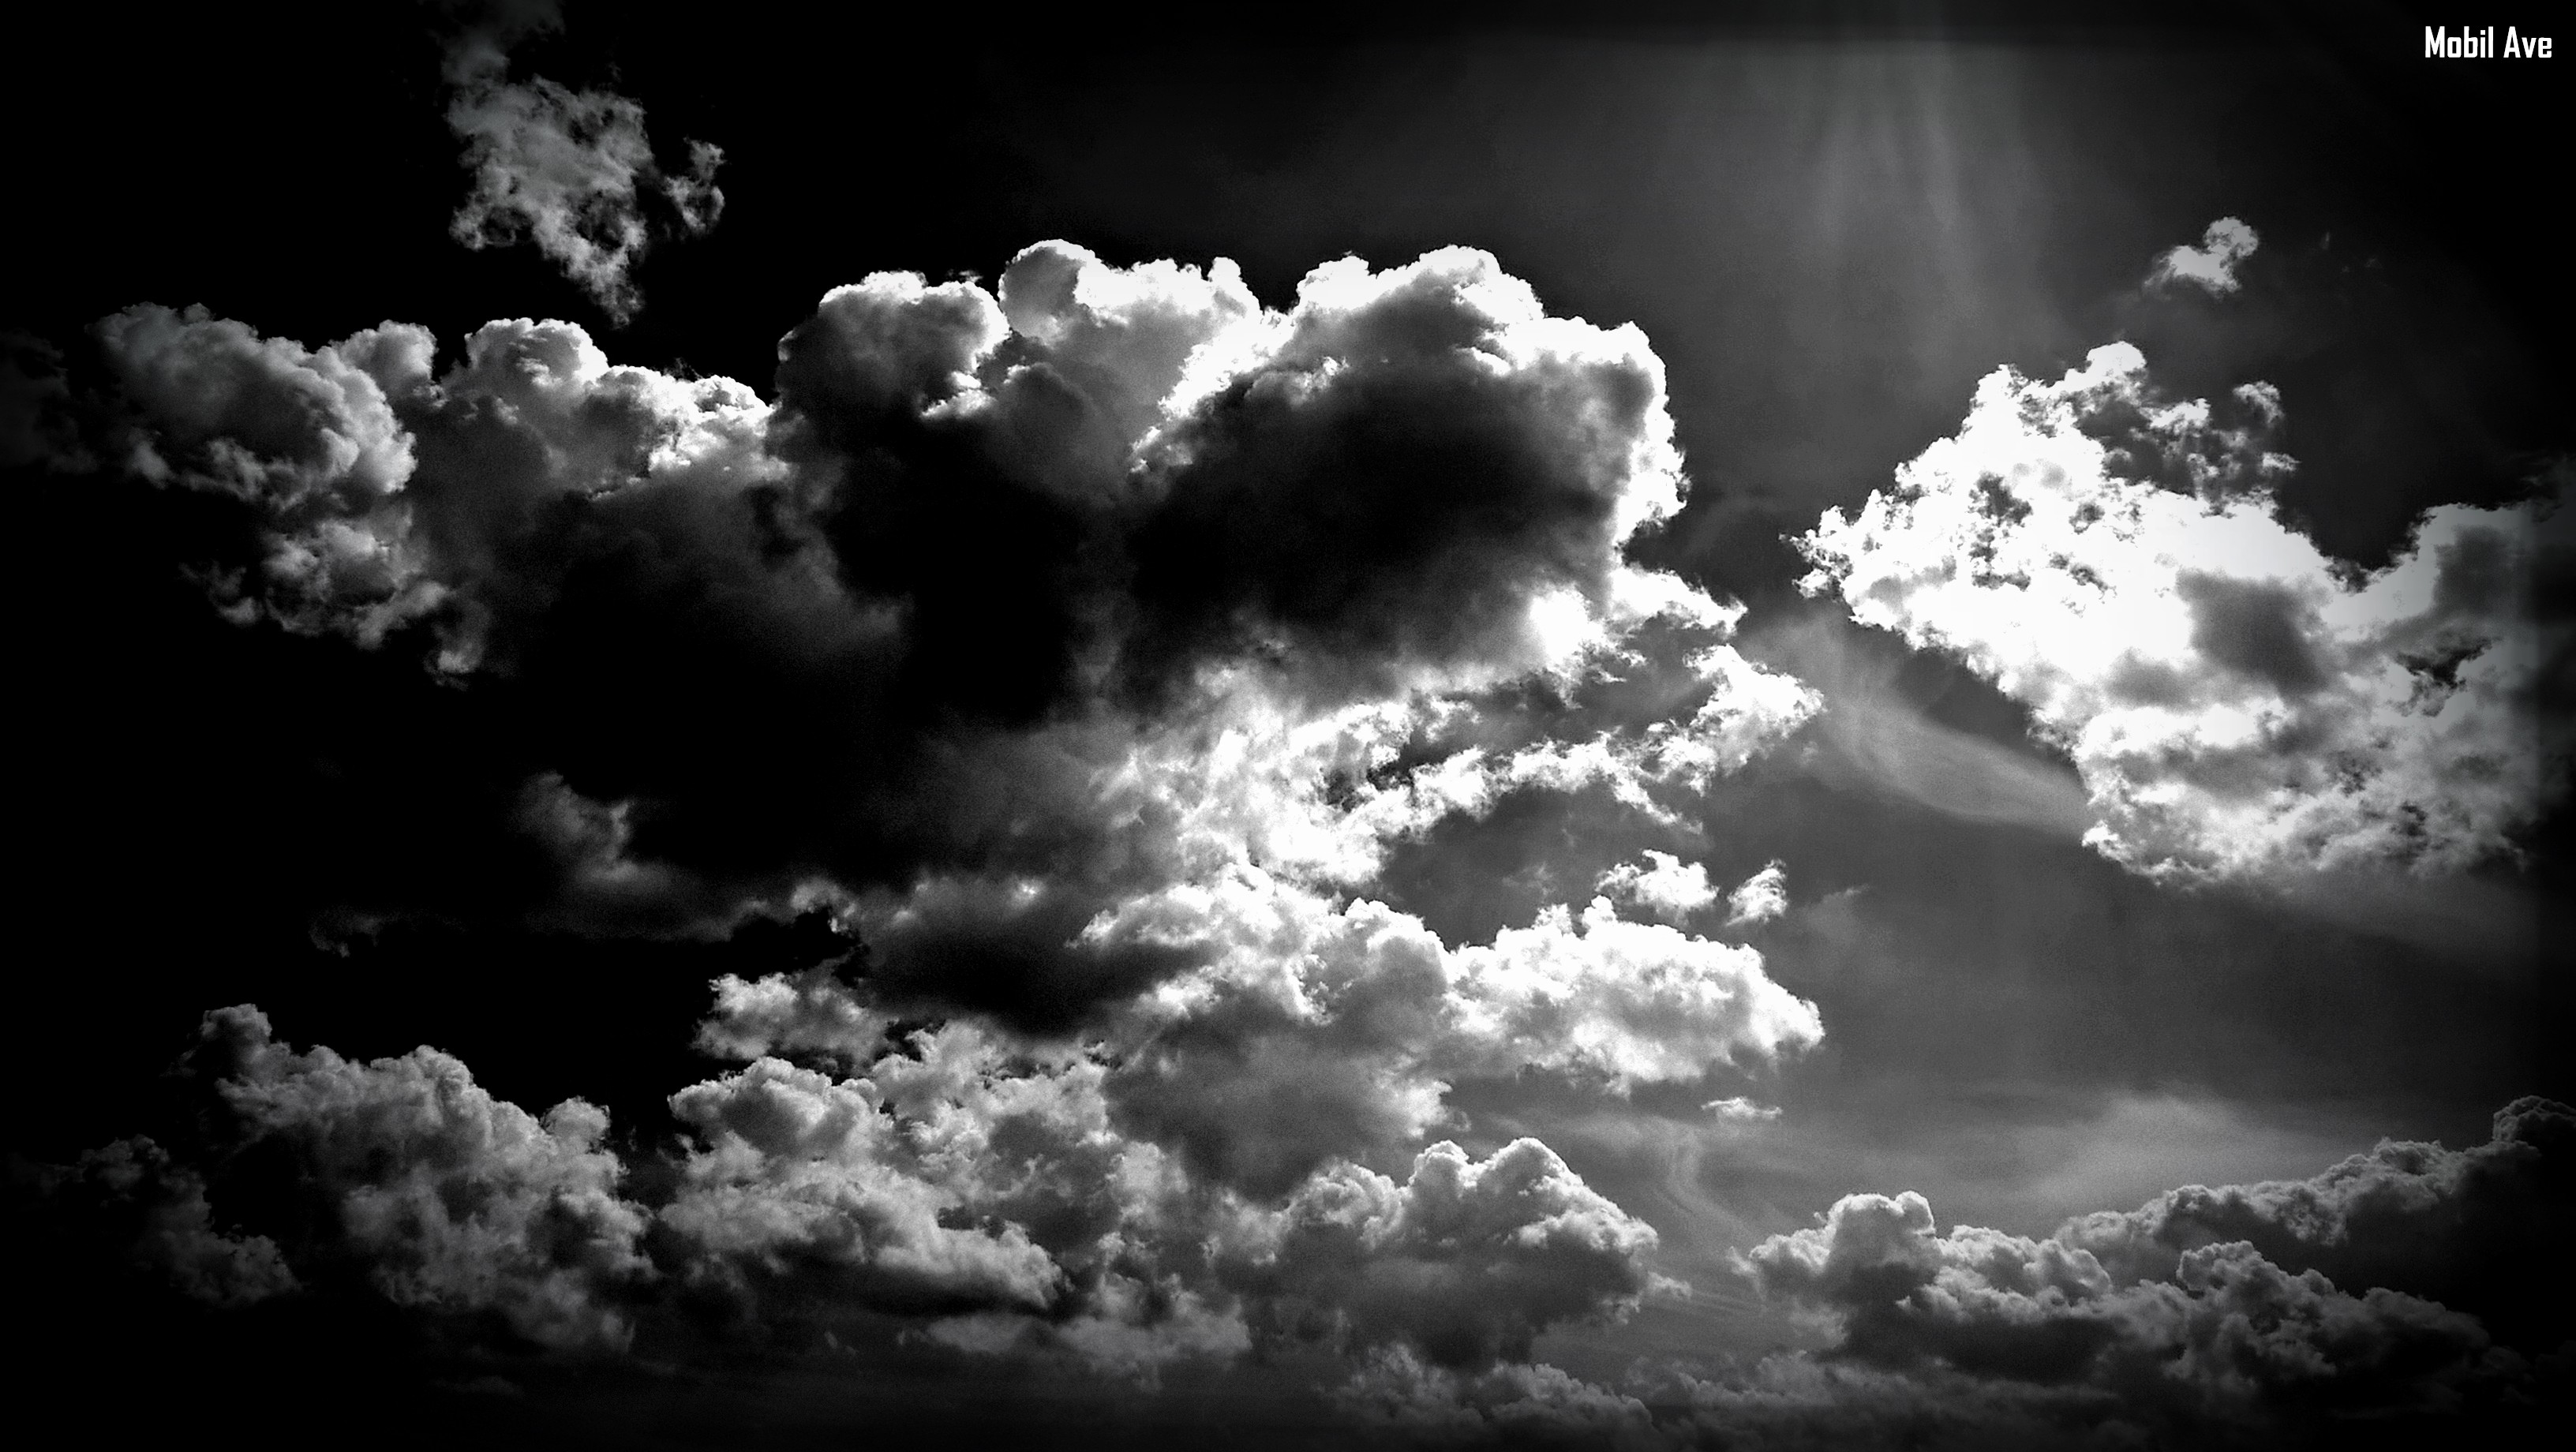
985 1191
2475 1229
1315 1031
308 438
2216 1304
971 695
1464 1262
1664 885
567 170
2228 1325
2211 266
1511 1402
2237 702
1759 898
408 1174
998 638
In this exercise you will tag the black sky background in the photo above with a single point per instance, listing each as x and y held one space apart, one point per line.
1827 235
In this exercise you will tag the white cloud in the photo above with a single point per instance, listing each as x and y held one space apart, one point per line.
2236 702
1759 898
2211 266
1671 888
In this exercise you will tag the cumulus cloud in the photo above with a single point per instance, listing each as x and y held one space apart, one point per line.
2228 1326
999 637
1313 1031
983 1190
2474 1228
942 587
1759 898
2211 266
567 170
2236 702
1463 1263
409 1174
2215 1304
1665 885
1513 1402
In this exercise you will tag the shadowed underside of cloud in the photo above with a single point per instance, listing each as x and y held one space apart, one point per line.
2410 1293
2413 1278
2237 703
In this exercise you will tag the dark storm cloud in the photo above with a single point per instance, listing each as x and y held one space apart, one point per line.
1465 1261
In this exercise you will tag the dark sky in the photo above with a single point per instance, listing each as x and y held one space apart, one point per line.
860 705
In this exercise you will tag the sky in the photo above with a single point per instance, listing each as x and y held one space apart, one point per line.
1703 727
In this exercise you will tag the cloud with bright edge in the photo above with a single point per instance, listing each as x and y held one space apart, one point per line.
2219 1303
1160 805
2236 702
2211 266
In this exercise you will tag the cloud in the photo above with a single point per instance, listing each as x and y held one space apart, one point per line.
1759 898
568 170
2475 1229
965 696
2236 702
1464 1262
982 1190
307 438
802 1185
407 1173
1669 887
1315 1031
153 1213
2214 1304
2211 266
1869 735
1361 1018
2229 1327
1512 1402
926 644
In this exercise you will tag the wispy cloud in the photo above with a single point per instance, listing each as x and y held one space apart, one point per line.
570 171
